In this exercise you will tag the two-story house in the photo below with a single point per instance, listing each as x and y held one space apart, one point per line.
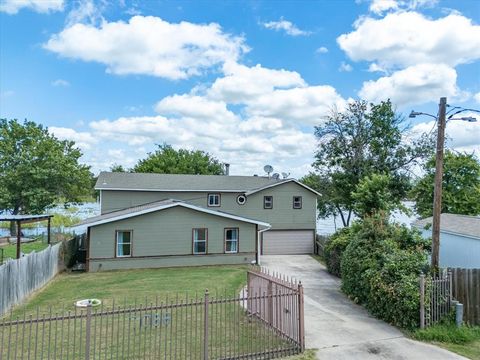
156 220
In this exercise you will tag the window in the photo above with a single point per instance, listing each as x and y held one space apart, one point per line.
213 199
297 202
231 240
241 199
124 243
200 241
268 202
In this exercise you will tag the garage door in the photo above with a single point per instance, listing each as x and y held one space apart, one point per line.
287 242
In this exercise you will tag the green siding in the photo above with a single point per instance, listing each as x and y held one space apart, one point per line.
168 233
282 216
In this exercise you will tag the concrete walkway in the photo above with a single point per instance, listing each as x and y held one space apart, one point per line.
341 329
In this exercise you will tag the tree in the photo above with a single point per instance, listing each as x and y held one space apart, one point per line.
362 140
460 186
117 168
37 170
167 160
373 196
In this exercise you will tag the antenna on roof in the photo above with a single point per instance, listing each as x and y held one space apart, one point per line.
276 176
268 169
285 175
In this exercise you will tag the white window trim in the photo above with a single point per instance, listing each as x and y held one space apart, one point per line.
219 200
236 240
298 202
271 202
117 243
198 241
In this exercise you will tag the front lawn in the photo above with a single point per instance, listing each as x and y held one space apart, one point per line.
136 285
10 251
464 340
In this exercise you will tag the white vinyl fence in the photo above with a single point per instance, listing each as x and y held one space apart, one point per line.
19 278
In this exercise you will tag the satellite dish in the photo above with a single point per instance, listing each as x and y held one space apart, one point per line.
285 175
276 176
268 169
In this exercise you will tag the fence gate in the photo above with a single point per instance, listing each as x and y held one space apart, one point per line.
436 298
262 322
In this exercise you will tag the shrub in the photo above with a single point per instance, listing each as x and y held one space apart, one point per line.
334 249
380 268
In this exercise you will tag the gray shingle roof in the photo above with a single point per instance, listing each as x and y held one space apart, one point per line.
174 182
160 205
455 224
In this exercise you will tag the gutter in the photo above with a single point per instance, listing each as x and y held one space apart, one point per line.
258 241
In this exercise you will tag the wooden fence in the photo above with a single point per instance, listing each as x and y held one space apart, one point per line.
466 290
20 277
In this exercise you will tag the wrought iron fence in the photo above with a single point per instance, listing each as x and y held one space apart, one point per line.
255 324
436 298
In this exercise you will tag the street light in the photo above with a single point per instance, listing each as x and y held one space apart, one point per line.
437 193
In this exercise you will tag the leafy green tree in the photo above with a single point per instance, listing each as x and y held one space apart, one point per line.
362 140
37 170
460 186
117 168
373 196
167 160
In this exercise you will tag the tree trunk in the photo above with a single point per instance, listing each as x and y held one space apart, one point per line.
13 224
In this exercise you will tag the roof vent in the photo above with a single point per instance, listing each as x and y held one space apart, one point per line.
227 169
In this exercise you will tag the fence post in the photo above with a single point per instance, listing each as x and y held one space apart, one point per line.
88 331
301 319
205 326
422 301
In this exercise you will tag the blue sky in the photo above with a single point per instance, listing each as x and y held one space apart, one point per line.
245 81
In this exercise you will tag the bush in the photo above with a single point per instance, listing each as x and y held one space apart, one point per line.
334 249
380 268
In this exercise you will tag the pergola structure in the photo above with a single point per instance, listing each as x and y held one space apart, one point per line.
19 219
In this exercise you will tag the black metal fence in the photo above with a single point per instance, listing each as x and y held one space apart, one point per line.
202 327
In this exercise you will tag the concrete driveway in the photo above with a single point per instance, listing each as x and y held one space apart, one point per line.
341 329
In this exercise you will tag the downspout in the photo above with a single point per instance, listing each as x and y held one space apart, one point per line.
258 243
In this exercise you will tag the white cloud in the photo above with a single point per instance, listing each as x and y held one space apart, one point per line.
408 38
84 140
287 26
148 45
374 67
60 82
85 11
477 97
344 67
242 83
414 85
42 6
322 50
380 6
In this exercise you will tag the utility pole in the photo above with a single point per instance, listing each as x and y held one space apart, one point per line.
437 194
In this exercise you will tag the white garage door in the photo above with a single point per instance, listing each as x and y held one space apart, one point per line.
286 242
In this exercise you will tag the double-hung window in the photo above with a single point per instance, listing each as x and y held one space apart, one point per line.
213 200
268 202
123 243
200 241
231 240
297 202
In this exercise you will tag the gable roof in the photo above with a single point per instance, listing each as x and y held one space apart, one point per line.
463 225
280 183
178 182
161 205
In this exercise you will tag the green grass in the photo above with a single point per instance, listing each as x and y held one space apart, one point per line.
136 285
229 322
464 340
10 251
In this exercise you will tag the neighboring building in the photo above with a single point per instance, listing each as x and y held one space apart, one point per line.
459 239
153 220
